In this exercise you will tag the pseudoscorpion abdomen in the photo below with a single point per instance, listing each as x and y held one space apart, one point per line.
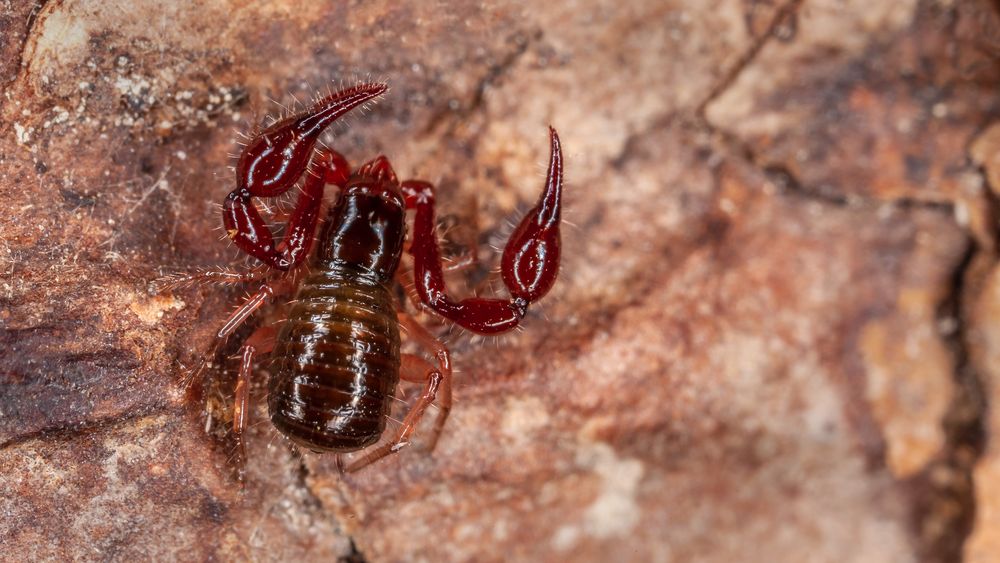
336 362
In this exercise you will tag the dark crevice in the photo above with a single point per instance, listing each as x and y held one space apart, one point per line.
944 494
28 34
496 71
354 556
78 429
522 42
788 184
785 181
944 514
19 57
784 14
944 505
315 504
302 481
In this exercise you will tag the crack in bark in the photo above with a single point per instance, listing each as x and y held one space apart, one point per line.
29 30
788 184
729 77
316 503
941 531
783 15
523 41
778 173
87 427
939 538
355 556
28 34
966 422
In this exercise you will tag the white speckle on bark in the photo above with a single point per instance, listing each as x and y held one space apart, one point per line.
615 511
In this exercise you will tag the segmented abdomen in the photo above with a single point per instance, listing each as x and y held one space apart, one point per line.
336 363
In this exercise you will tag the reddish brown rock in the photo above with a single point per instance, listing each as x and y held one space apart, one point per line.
761 346
139 490
984 543
861 100
15 18
984 343
706 395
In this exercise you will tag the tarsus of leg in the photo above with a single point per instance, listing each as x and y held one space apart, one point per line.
243 313
238 317
437 380
220 277
260 342
430 342
530 261
401 438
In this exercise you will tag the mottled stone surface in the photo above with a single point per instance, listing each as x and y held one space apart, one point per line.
856 99
984 344
774 336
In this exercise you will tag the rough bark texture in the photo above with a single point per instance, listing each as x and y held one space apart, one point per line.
775 336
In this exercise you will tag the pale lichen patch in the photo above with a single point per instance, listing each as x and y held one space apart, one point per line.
523 416
151 310
615 511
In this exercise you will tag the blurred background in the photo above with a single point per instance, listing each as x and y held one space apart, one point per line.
774 337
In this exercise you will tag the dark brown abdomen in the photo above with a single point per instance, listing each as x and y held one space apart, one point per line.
336 363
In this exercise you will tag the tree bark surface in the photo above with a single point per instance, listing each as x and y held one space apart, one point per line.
775 335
